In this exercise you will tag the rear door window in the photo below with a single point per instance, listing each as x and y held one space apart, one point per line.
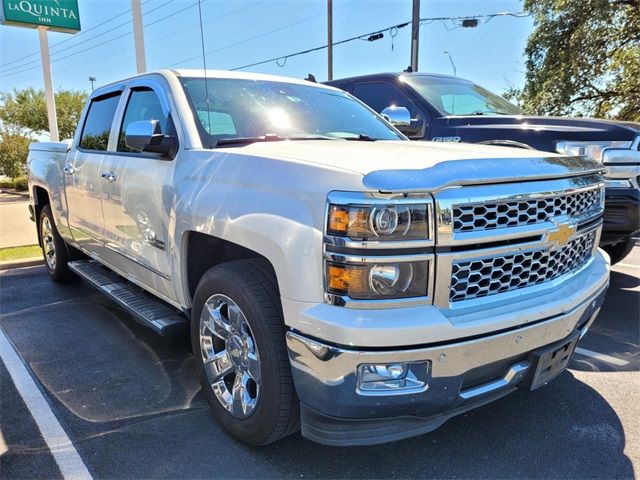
97 125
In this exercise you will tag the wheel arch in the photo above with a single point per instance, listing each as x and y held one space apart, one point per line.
203 252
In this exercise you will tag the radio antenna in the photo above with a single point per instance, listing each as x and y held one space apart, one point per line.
206 83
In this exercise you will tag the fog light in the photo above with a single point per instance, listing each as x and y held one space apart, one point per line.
393 378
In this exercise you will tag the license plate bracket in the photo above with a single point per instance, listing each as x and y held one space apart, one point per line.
548 362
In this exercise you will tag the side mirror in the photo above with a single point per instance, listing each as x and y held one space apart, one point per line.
145 136
397 116
400 118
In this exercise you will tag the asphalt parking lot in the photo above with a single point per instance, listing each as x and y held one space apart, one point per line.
130 403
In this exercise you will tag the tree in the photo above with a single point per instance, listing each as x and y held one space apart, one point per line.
27 110
583 58
14 148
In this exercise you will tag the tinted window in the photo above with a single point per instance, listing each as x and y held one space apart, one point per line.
95 133
143 104
454 96
382 95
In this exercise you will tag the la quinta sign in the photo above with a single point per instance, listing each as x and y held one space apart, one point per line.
56 15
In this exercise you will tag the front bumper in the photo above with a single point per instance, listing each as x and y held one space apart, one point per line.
460 375
621 214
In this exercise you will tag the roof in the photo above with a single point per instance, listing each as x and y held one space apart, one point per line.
213 74
396 75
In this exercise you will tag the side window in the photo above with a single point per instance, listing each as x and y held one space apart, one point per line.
143 104
381 95
95 132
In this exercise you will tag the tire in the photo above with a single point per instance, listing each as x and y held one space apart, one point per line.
54 249
250 342
620 250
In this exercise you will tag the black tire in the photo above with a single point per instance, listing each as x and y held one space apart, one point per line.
620 250
251 284
48 233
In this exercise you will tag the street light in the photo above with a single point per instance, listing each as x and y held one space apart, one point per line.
92 79
453 65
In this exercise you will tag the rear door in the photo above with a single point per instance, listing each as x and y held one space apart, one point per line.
137 200
83 181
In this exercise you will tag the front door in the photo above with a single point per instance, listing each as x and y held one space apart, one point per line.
136 202
83 179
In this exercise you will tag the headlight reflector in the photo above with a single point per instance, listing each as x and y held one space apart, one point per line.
592 150
378 280
379 222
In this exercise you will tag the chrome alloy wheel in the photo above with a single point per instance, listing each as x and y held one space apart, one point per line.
47 243
230 356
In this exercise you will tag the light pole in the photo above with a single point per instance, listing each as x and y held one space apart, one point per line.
329 39
415 34
92 79
453 65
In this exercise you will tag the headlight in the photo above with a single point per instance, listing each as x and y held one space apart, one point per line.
379 222
377 280
592 150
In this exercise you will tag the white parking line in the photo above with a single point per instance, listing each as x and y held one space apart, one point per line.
602 357
627 265
61 447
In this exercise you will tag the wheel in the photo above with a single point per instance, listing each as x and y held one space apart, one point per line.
238 340
54 250
620 250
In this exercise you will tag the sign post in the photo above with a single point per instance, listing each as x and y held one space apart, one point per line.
43 15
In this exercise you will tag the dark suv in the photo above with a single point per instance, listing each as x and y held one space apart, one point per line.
450 109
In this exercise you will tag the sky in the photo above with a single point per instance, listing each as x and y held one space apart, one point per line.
240 32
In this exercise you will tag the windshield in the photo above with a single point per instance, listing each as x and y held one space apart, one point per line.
256 110
452 96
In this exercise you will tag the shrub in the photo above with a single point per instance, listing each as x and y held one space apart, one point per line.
6 183
21 184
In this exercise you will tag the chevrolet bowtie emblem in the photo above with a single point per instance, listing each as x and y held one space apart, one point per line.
562 234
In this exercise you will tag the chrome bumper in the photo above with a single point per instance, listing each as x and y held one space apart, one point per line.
460 375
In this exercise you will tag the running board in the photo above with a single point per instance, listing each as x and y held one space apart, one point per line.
147 310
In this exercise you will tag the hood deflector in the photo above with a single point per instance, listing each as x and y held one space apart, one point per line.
481 171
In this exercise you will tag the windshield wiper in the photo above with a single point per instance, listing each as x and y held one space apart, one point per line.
361 138
269 137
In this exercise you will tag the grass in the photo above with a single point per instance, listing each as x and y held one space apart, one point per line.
17 253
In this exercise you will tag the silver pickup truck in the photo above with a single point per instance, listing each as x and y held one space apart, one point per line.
335 277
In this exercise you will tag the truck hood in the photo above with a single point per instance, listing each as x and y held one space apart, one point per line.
559 128
425 166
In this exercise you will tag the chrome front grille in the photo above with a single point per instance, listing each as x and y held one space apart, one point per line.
473 217
481 277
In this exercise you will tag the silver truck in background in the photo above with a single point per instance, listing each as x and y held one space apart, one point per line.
335 277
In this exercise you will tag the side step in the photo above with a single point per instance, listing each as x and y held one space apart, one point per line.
146 309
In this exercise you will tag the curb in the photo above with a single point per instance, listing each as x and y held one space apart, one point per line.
21 262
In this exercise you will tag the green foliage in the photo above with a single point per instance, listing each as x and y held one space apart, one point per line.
6 183
27 110
21 183
583 58
14 148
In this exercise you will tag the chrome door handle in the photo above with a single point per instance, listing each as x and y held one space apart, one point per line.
109 176
69 169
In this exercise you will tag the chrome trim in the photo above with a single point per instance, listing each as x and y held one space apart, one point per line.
444 271
368 260
515 374
447 199
333 373
348 302
620 155
137 262
346 242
